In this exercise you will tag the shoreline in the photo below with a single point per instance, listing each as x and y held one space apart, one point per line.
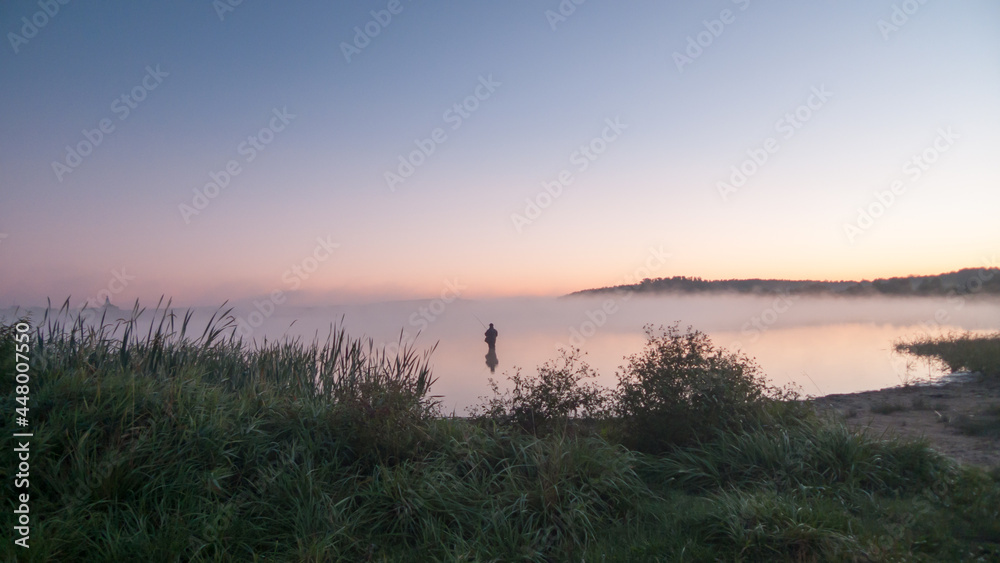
936 411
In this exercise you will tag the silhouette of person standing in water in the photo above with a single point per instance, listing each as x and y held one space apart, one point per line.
491 354
491 336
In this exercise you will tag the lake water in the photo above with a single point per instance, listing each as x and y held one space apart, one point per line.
824 345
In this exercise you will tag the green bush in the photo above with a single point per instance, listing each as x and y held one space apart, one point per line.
537 404
682 388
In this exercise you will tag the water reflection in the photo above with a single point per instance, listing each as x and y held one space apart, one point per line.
491 354
491 360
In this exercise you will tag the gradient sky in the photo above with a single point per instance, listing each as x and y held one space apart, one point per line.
114 223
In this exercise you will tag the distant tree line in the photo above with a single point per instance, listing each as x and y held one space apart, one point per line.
962 282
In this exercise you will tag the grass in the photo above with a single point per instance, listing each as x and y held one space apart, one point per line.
984 423
888 407
959 352
922 404
165 446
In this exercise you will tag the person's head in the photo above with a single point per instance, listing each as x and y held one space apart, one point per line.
491 325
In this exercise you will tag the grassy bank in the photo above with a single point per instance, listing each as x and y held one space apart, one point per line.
965 352
164 446
958 352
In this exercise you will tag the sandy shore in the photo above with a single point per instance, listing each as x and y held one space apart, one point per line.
936 412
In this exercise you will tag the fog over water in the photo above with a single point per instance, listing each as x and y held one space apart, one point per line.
822 344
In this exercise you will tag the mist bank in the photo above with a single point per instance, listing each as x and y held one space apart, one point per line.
581 315
824 344
969 281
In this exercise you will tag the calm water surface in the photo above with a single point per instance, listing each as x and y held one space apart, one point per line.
823 345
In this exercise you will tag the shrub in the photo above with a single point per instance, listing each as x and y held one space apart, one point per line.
537 403
682 388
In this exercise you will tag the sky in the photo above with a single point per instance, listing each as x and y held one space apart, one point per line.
349 152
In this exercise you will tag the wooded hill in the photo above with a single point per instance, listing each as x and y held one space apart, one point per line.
963 282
